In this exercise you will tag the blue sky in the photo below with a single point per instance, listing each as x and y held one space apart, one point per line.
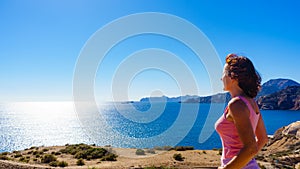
40 42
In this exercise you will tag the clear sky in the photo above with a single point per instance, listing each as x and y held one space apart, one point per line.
40 42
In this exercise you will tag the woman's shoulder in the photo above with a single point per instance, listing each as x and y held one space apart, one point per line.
237 105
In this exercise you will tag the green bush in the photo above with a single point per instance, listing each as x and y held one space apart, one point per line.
80 162
23 159
4 153
53 163
178 157
184 148
45 149
84 151
109 157
140 152
18 155
62 164
57 153
151 151
3 157
47 158
37 152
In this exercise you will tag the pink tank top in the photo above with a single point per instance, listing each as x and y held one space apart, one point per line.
231 142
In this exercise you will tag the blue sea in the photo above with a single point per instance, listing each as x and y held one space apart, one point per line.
134 125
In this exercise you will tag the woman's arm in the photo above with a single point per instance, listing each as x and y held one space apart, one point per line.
240 115
261 134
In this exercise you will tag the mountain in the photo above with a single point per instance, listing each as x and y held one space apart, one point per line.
286 99
275 85
217 98
276 94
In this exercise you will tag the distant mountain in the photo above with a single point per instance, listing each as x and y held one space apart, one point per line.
286 99
169 99
275 85
217 98
276 94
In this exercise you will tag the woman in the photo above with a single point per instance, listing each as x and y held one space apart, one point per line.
241 127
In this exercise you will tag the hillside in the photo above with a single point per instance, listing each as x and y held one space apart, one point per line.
276 94
275 85
283 149
286 99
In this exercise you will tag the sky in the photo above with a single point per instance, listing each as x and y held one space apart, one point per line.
41 41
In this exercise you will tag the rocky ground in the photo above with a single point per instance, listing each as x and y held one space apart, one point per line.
283 149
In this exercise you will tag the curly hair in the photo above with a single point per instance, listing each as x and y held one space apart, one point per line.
242 69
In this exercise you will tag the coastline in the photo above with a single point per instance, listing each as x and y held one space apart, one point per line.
126 158
282 151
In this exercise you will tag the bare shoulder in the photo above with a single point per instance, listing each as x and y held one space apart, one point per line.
237 107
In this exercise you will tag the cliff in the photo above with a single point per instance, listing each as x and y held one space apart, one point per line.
286 99
283 149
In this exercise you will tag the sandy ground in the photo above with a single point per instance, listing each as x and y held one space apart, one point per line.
126 159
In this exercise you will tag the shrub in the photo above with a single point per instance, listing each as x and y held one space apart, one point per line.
47 158
151 151
3 157
83 151
140 152
45 149
62 164
37 152
80 154
23 159
261 166
220 151
178 157
168 148
109 157
18 155
204 152
80 162
53 163
57 153
4 153
184 148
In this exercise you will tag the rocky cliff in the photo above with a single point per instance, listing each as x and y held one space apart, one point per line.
286 99
283 149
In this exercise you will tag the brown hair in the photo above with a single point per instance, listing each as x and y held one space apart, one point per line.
242 69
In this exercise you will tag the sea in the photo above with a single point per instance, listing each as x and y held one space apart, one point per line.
123 124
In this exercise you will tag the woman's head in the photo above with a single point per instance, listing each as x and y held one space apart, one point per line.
241 69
